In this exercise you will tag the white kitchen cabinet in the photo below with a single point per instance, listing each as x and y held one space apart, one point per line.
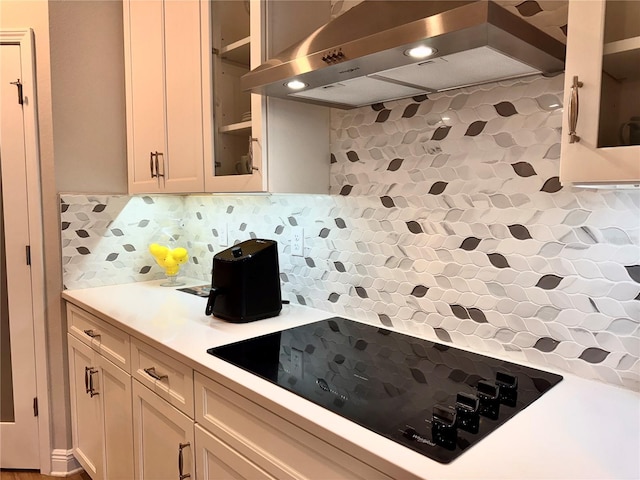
101 415
164 440
602 146
165 376
263 144
252 437
164 95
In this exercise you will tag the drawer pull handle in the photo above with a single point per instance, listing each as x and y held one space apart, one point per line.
91 333
181 447
151 371
88 381
574 106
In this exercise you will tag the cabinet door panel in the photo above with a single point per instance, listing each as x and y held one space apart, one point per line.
184 156
118 421
85 419
159 431
602 101
217 460
145 90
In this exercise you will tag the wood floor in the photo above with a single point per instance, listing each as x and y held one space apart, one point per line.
34 475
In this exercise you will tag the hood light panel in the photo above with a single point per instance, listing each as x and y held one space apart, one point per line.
419 52
295 85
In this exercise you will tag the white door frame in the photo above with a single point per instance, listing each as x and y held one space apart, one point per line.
25 38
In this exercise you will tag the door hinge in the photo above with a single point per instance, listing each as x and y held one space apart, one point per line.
18 84
35 407
28 254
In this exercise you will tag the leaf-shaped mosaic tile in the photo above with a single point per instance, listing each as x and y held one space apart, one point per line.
470 243
634 272
498 260
475 128
383 116
523 169
520 232
459 311
549 282
414 227
505 109
395 164
437 188
418 376
419 291
352 156
387 202
385 320
346 190
552 185
594 355
440 133
546 344
362 293
410 111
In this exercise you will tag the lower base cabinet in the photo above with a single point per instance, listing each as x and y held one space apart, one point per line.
163 437
101 414
163 420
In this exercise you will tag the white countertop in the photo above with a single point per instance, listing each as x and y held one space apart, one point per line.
580 429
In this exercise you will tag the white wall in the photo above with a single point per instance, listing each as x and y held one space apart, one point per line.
88 99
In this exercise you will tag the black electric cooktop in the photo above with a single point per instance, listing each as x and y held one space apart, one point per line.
433 398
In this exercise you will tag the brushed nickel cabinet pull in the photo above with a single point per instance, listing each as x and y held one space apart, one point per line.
151 371
90 332
158 155
181 447
88 381
151 164
574 106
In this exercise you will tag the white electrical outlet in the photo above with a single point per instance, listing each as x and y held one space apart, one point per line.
297 241
223 234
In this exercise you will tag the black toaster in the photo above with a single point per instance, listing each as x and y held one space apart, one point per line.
245 284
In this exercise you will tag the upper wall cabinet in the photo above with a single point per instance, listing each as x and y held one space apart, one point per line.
259 144
601 128
164 87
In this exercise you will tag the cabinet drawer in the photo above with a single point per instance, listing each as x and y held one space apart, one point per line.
111 342
217 460
169 378
277 446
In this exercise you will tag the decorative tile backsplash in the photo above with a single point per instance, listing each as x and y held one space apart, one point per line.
446 220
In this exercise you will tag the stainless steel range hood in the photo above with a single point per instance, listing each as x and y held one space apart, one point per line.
360 57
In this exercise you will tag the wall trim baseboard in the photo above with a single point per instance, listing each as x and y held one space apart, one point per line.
63 463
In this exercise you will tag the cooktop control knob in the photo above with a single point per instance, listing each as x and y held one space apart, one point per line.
508 388
443 427
489 397
236 252
467 416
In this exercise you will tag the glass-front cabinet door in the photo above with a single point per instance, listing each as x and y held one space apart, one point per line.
236 36
601 127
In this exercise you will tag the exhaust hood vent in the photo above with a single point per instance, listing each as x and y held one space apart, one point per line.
363 56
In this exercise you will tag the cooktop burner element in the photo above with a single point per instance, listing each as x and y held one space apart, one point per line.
433 398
